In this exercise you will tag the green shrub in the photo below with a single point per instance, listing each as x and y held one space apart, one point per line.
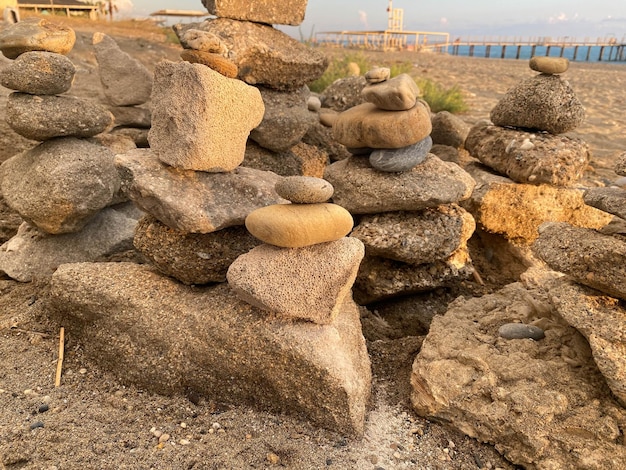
338 68
400 68
440 98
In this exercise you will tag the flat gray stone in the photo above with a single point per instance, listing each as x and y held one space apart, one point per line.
402 159
60 184
167 338
361 189
289 12
194 202
192 258
449 129
264 55
39 73
36 34
521 331
125 80
525 157
41 117
416 237
35 255
611 200
543 102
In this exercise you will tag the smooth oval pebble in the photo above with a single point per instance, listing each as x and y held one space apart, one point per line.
304 189
314 104
403 159
299 225
550 65
377 75
521 331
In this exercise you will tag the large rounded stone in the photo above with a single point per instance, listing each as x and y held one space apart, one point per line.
39 73
299 225
304 189
366 125
36 34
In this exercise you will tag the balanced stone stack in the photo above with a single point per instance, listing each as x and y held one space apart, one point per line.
414 233
66 187
241 43
127 85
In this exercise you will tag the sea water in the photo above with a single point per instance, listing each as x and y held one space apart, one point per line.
593 52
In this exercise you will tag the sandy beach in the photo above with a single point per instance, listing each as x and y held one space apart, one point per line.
93 421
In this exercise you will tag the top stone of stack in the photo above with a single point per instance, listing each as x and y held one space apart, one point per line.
289 12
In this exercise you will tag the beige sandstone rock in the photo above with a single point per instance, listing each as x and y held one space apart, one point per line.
304 189
397 94
214 61
36 34
549 65
289 12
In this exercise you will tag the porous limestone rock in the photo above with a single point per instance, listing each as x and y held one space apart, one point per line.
36 34
168 338
344 93
289 12
310 283
39 73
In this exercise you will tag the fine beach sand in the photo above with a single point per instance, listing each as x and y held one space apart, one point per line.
95 422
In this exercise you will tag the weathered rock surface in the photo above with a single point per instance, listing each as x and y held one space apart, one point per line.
529 158
517 210
285 121
593 259
602 320
381 278
611 200
361 189
60 184
301 159
35 255
194 202
264 55
45 117
549 65
344 93
543 102
216 62
321 136
304 189
416 237
366 125
132 116
289 12
403 159
377 75
200 119
39 73
169 338
396 94
310 283
543 404
36 34
620 164
192 258
449 129
203 41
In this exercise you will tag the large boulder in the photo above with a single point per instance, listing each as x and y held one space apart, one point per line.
289 12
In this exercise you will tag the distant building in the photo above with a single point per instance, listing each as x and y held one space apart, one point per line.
92 10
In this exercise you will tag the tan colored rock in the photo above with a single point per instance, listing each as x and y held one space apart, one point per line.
167 338
203 41
549 65
215 62
289 12
377 75
200 119
366 125
36 34
300 160
517 210
309 283
304 189
397 94
299 225
328 116
543 404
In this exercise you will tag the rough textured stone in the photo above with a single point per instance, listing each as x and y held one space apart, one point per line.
611 200
36 34
447 153
593 259
138 136
549 65
403 159
321 136
299 225
367 126
301 159
543 102
449 129
517 210
215 62
201 119
363 190
397 94
620 164
264 55
132 116
289 12
344 93
381 278
544 404
45 117
191 201
35 255
116 143
304 189
125 80
529 158
309 283
285 121
602 320
416 237
203 41
39 73
169 338
60 184
192 258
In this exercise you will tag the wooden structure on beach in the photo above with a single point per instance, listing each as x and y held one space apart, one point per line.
69 7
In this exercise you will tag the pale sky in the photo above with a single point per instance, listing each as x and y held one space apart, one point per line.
556 18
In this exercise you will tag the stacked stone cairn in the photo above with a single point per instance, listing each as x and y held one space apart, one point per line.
66 188
294 343
404 197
